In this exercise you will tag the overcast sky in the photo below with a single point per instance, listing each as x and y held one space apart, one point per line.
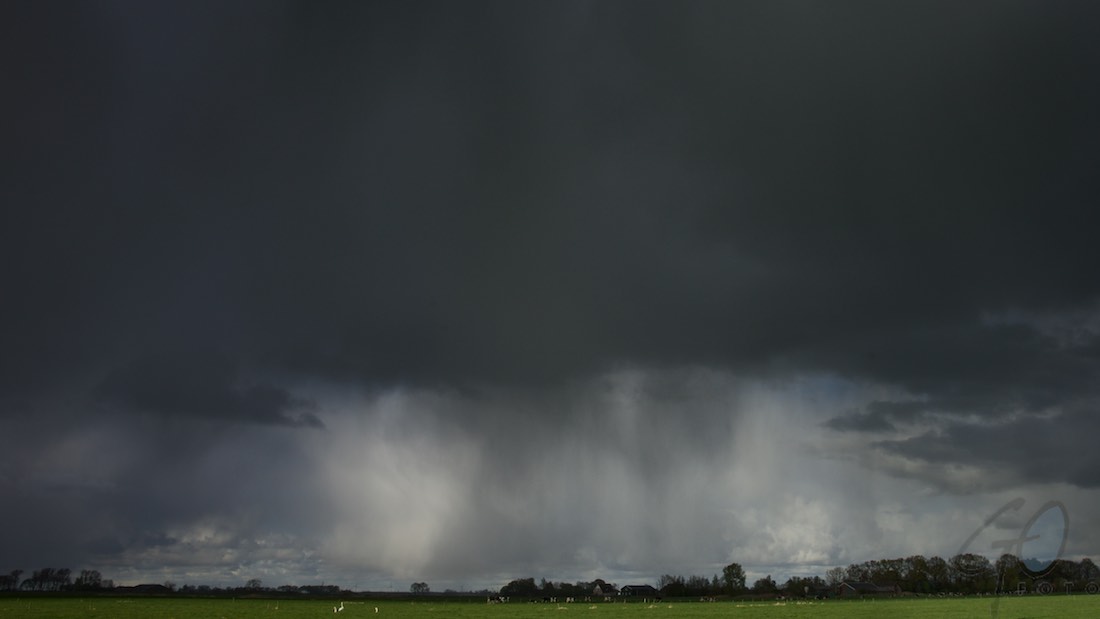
380 292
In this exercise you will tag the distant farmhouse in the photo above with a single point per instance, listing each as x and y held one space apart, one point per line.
642 591
605 589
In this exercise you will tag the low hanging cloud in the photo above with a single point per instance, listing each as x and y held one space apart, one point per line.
202 384
1027 449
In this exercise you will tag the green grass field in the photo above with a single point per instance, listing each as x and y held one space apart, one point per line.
1060 607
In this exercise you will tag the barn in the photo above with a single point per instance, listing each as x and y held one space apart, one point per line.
642 591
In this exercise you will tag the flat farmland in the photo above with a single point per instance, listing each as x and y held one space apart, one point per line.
1009 607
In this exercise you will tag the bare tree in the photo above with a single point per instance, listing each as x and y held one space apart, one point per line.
835 576
89 579
10 582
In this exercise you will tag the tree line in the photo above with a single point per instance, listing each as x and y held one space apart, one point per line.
962 574
969 573
51 579
732 581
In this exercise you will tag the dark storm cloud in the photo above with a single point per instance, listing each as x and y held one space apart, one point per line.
996 370
498 193
219 221
201 384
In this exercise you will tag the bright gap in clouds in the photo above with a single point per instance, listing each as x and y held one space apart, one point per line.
634 475
626 477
